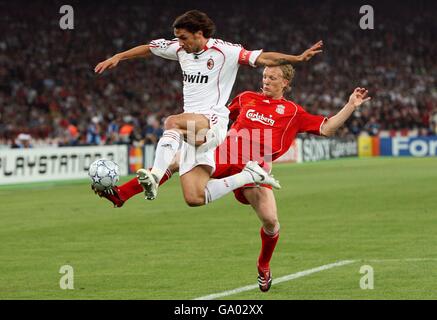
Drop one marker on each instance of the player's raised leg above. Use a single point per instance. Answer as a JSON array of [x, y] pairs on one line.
[[185, 126], [118, 195], [200, 190], [193, 126], [263, 202], [194, 183]]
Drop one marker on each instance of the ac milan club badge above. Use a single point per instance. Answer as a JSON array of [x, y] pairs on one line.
[[210, 63], [280, 109]]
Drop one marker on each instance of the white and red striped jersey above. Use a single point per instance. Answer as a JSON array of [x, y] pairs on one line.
[[208, 75]]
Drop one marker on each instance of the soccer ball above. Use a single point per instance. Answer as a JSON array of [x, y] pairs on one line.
[[104, 174]]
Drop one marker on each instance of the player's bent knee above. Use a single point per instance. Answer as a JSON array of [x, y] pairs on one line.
[[195, 200], [171, 122]]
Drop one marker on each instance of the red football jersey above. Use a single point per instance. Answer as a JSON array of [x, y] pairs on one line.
[[266, 126]]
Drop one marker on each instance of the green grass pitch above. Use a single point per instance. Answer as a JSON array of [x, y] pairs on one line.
[[380, 212]]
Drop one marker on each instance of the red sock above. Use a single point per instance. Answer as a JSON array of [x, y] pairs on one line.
[[267, 248], [132, 187], [129, 189], [165, 177]]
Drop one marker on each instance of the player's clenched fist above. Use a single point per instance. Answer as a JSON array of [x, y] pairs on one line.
[[358, 97], [107, 64]]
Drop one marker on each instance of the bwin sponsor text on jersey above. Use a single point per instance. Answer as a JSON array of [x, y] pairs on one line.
[[195, 78]]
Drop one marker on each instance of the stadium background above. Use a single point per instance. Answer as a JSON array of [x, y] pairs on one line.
[[382, 207]]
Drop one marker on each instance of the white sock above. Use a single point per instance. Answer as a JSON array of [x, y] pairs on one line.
[[167, 147], [216, 189]]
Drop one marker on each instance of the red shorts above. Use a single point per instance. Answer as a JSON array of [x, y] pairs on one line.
[[223, 170]]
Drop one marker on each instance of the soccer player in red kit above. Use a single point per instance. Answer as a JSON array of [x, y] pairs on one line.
[[265, 125]]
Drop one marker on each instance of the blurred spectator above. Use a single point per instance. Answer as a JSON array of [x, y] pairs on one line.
[[153, 130], [434, 122], [43, 81], [93, 132], [112, 130], [355, 127], [73, 133], [126, 130], [23, 141], [372, 127], [69, 133]]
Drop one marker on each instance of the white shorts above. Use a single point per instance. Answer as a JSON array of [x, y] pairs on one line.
[[191, 156]]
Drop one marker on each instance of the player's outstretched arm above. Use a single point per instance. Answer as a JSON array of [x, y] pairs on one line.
[[357, 98], [137, 52], [272, 59]]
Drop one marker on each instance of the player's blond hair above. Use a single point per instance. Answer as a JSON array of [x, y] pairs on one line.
[[288, 74]]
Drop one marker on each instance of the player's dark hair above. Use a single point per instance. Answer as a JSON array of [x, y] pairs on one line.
[[195, 20]]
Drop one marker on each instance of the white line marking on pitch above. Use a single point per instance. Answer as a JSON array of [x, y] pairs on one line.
[[308, 272], [278, 280]]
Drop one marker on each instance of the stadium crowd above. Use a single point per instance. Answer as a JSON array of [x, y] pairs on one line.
[[50, 94]]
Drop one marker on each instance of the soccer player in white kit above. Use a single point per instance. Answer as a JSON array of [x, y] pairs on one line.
[[209, 68]]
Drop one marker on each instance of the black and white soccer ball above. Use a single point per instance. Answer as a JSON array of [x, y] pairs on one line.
[[104, 174]]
